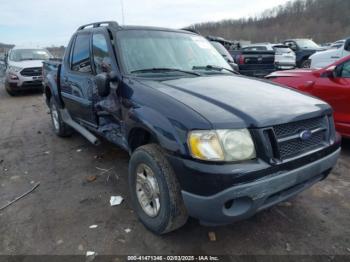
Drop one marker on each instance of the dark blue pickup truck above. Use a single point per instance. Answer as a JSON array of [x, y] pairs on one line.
[[303, 48], [204, 141]]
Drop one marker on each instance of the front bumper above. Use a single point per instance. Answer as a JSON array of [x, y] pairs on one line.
[[23, 82], [245, 198], [285, 65]]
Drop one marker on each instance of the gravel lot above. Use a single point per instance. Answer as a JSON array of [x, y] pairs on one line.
[[55, 218]]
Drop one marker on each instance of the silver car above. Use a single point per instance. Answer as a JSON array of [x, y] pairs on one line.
[[24, 69]]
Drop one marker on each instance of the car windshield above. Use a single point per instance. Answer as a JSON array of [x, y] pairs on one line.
[[337, 44], [18, 55], [307, 43], [144, 50], [255, 48]]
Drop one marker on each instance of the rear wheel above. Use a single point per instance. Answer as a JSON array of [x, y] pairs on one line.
[[155, 191], [59, 127]]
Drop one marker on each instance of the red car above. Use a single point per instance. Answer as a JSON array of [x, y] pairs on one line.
[[331, 84]]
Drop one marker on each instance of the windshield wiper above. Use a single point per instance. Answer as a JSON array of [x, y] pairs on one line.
[[160, 69], [215, 68]]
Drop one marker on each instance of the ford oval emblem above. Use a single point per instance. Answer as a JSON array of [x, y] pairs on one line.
[[305, 135]]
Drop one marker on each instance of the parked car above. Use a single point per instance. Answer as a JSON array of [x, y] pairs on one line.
[[23, 69], [325, 45], [337, 44], [326, 58], [257, 63], [303, 49], [284, 56], [223, 51], [204, 141], [332, 84]]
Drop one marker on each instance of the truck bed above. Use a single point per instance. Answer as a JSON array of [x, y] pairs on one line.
[[51, 70]]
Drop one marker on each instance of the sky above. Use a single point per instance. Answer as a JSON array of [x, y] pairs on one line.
[[52, 22]]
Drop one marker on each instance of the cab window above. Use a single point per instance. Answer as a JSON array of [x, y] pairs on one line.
[[101, 58], [81, 54], [292, 45]]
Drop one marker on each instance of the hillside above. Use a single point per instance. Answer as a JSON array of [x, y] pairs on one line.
[[322, 20]]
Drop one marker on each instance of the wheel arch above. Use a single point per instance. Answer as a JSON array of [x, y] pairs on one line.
[[156, 128], [139, 136]]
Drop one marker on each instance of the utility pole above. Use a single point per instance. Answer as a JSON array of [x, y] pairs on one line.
[[122, 8]]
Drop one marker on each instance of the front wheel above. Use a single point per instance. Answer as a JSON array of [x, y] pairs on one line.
[[155, 191], [9, 90], [306, 63]]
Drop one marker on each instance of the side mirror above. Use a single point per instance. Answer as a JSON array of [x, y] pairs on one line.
[[103, 81], [293, 47], [347, 45], [330, 72]]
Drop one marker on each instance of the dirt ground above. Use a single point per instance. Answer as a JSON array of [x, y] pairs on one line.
[[55, 218]]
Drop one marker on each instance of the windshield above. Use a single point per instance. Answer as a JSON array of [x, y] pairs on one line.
[[338, 44], [18, 55], [255, 48], [307, 43], [147, 49]]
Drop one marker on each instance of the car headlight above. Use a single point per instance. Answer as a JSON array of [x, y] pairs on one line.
[[222, 145], [14, 69]]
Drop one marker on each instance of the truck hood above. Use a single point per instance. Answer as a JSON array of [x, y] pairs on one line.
[[27, 63], [240, 102], [325, 58], [327, 53]]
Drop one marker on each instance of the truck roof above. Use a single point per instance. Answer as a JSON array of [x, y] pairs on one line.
[[115, 26], [128, 27]]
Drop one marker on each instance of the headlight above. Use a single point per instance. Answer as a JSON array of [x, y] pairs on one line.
[[222, 145], [14, 69]]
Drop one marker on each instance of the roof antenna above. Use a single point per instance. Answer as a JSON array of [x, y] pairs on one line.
[[122, 7]]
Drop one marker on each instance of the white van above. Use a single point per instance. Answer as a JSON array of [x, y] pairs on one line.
[[326, 58]]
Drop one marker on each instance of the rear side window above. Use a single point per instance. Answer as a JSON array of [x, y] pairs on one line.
[[81, 54], [282, 50], [102, 60]]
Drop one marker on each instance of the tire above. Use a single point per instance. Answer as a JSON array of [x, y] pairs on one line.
[[9, 90], [306, 63], [59, 127], [172, 213]]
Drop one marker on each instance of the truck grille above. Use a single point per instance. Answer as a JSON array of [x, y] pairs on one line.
[[291, 143], [34, 71]]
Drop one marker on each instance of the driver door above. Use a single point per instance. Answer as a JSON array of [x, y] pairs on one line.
[[78, 81]]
